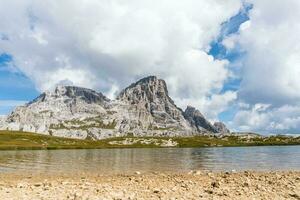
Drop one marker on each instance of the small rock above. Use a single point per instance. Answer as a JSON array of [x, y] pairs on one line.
[[21, 185], [37, 184], [137, 173], [215, 184], [209, 191], [294, 195], [258, 187], [247, 173], [246, 184], [210, 174], [198, 172], [156, 190], [191, 172]]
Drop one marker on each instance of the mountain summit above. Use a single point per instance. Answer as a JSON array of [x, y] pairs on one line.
[[72, 92], [142, 109], [150, 96]]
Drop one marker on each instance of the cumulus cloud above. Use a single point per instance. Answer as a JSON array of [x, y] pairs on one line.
[[211, 106], [270, 67], [105, 45], [272, 45], [266, 119]]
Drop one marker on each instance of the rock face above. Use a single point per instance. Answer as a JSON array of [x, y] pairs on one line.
[[60, 112], [150, 103], [197, 120], [221, 127], [2, 122], [142, 109]]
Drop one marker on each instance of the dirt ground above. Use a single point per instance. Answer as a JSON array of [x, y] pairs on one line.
[[192, 185]]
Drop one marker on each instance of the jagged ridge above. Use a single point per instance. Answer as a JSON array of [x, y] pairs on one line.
[[142, 109], [87, 95]]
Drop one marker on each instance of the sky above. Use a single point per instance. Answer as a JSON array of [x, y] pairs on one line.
[[237, 61]]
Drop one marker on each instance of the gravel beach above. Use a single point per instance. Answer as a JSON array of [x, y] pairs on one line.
[[192, 185]]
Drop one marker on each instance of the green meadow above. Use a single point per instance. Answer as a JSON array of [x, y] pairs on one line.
[[12, 140]]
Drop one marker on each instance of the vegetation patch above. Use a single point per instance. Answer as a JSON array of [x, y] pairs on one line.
[[145, 141], [84, 124], [10, 140], [151, 127]]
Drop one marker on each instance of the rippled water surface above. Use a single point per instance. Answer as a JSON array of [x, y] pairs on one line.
[[150, 160]]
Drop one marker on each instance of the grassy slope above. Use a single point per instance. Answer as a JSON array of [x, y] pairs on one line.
[[21, 140]]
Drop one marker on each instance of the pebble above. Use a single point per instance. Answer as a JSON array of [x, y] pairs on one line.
[[156, 190], [246, 184], [215, 184], [198, 172], [262, 185], [37, 184]]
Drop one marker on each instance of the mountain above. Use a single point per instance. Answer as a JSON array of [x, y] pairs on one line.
[[2, 120], [221, 127], [142, 109], [198, 121], [149, 101]]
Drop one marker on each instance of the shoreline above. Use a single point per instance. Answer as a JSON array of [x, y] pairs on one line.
[[10, 140], [129, 147], [136, 185]]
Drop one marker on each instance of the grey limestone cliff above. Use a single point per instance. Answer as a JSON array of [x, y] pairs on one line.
[[198, 121], [142, 109], [221, 127]]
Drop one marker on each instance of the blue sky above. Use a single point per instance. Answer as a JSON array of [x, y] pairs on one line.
[[252, 83], [217, 50], [16, 86]]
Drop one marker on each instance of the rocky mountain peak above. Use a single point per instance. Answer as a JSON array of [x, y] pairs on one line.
[[90, 96], [147, 89], [191, 111], [150, 95], [221, 127], [142, 109], [72, 92], [197, 120], [2, 118]]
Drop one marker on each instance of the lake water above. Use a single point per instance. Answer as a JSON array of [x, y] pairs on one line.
[[151, 160]]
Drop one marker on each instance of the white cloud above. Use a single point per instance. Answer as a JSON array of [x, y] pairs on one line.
[[210, 106], [229, 42], [263, 118], [11, 103], [270, 73], [217, 104], [272, 45], [7, 105], [106, 45]]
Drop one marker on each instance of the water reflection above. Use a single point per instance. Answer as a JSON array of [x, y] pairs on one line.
[[149, 160]]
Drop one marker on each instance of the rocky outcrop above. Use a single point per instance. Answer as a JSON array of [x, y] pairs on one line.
[[142, 109], [197, 120], [73, 93], [2, 122], [221, 127], [59, 112], [151, 103]]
